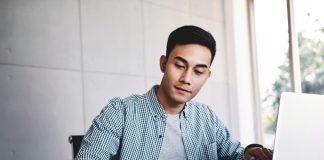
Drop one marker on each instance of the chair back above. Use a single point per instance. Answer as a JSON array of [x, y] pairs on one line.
[[75, 141]]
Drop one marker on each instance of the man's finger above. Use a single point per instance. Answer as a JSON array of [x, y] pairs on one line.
[[267, 152], [258, 153]]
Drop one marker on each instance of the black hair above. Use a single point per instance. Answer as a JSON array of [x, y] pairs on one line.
[[190, 34]]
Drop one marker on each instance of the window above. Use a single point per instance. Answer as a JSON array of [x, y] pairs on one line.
[[310, 33], [283, 66]]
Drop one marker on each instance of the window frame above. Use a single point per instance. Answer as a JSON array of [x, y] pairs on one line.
[[293, 57]]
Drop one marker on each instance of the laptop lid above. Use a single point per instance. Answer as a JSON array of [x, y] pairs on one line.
[[300, 127]]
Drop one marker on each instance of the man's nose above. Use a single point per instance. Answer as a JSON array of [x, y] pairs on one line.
[[186, 77]]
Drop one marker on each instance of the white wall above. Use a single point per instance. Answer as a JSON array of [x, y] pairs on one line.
[[62, 60]]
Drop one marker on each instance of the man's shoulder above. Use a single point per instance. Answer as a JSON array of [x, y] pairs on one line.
[[127, 101], [201, 109], [202, 112], [136, 99], [198, 106]]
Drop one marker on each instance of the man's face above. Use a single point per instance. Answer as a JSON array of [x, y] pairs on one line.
[[185, 72]]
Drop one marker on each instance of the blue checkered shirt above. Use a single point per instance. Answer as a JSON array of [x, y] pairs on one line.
[[133, 129]]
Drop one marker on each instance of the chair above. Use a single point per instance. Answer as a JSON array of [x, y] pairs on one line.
[[75, 141]]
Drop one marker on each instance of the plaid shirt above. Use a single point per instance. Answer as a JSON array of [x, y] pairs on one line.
[[133, 128]]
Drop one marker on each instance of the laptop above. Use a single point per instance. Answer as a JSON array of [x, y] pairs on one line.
[[300, 127]]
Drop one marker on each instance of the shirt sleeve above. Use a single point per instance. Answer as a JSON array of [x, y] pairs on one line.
[[228, 148], [102, 140]]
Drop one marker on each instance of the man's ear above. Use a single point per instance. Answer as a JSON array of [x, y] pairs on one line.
[[163, 62]]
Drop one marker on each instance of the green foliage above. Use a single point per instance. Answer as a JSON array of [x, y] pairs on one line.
[[311, 51]]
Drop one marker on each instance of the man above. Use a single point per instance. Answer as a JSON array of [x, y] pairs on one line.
[[164, 123]]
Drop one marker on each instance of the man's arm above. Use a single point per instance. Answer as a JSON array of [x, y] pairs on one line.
[[228, 148], [232, 149], [102, 140]]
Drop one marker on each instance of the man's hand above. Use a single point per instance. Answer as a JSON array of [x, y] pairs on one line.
[[258, 153]]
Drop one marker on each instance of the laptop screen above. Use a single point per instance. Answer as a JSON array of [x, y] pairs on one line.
[[300, 127]]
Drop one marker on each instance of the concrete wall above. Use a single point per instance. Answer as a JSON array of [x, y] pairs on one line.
[[62, 60]]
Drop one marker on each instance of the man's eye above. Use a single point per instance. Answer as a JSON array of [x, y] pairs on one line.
[[179, 66], [199, 72]]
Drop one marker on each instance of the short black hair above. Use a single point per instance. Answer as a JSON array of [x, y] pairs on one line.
[[190, 34]]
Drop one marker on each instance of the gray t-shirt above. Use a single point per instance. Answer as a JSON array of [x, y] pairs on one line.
[[172, 146]]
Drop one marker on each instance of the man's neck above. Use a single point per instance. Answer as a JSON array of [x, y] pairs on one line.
[[169, 107]]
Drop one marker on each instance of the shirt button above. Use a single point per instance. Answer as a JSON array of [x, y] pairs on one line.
[[155, 118], [160, 136]]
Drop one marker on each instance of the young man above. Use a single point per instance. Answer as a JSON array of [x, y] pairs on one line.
[[164, 123]]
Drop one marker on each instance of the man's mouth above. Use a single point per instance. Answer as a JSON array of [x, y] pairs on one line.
[[182, 89]]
